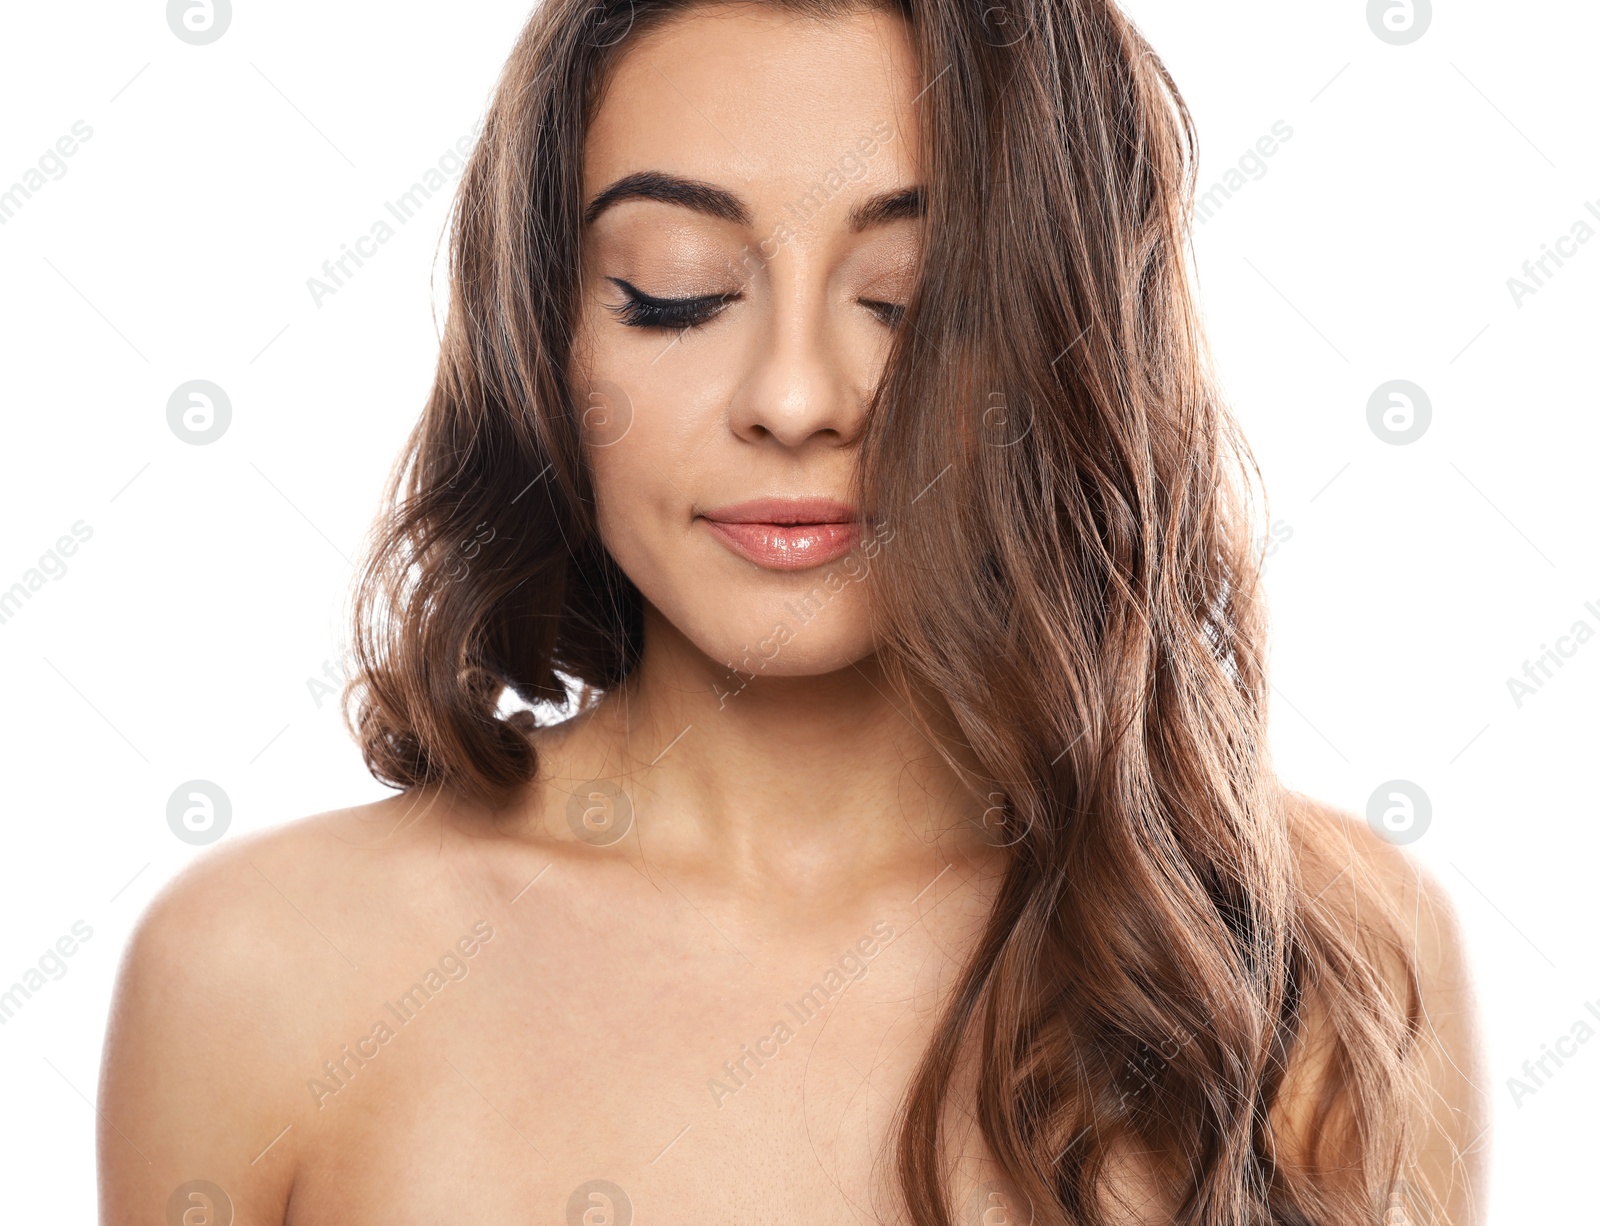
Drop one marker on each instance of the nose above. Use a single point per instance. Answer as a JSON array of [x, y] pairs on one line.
[[800, 388]]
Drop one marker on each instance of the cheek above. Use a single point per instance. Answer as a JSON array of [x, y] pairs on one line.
[[650, 437], [638, 506], [654, 409]]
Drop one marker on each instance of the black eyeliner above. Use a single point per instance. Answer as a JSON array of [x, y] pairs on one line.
[[644, 310]]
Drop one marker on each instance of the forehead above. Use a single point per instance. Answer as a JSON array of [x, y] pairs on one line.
[[761, 100]]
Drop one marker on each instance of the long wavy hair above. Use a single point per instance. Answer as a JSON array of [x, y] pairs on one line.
[[1073, 569]]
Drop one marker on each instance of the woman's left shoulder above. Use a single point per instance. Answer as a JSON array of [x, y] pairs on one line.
[[1399, 913], [1343, 860]]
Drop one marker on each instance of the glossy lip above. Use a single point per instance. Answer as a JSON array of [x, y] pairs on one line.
[[786, 533]]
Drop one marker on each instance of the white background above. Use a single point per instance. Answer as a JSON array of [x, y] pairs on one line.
[[1409, 582]]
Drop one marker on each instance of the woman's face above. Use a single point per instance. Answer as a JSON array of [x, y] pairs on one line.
[[751, 234]]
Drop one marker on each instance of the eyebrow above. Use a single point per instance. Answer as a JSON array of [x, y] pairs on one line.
[[718, 202]]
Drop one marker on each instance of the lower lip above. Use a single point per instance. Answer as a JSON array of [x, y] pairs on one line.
[[787, 546]]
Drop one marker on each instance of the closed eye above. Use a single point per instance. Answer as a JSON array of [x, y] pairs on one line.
[[888, 313], [642, 310]]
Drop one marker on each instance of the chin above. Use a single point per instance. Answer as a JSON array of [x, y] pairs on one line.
[[786, 633]]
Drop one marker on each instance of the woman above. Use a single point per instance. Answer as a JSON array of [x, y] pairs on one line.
[[822, 452]]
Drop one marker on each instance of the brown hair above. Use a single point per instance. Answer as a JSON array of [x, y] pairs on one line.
[[1147, 971]]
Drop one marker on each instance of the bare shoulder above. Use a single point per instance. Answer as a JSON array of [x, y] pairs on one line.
[[1334, 847], [1400, 916], [225, 985]]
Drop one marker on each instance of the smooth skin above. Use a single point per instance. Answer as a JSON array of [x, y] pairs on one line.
[[582, 998]]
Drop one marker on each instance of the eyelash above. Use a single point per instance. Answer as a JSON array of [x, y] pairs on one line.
[[889, 313], [667, 314], [643, 310]]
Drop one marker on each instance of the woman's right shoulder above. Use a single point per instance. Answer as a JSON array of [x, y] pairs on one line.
[[247, 902], [227, 988]]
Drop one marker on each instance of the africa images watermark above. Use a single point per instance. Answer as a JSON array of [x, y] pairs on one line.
[[51, 163], [337, 272], [849, 167], [450, 968], [1542, 668], [599, 1202], [1278, 533], [847, 969], [335, 673], [51, 565], [1142, 1072], [1536, 1073], [1536, 273], [1252, 163], [51, 965]]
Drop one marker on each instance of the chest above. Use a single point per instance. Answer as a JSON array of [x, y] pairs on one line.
[[596, 1068]]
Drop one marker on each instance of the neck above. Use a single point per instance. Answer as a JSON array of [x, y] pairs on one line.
[[806, 782]]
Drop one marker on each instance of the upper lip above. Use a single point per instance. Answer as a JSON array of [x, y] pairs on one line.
[[784, 511]]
